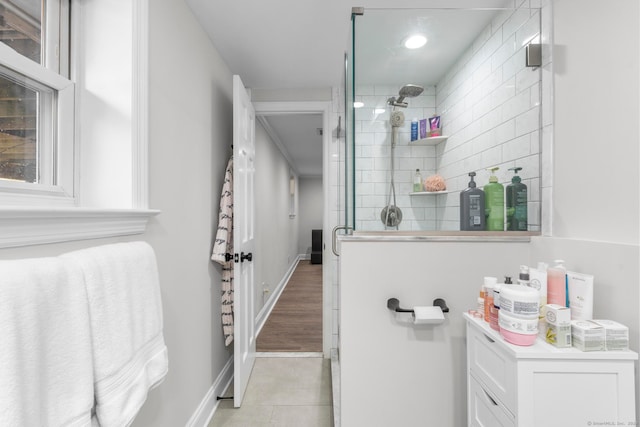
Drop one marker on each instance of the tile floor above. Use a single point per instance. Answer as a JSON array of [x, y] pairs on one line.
[[282, 391]]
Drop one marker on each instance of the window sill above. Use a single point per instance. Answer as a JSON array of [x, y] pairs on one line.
[[36, 226]]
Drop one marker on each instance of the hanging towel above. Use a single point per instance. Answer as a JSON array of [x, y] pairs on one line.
[[224, 245], [46, 372], [129, 353]]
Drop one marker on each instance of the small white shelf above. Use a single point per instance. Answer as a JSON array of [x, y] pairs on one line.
[[430, 193], [434, 140]]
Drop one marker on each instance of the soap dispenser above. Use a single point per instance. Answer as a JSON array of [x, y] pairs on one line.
[[494, 201], [472, 208], [516, 203]]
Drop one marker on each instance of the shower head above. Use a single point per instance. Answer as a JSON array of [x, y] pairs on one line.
[[407, 91]]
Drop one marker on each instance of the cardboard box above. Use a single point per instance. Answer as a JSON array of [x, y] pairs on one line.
[[587, 335], [558, 325], [616, 335]]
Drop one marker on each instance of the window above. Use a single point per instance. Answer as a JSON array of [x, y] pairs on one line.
[[36, 103], [74, 165]]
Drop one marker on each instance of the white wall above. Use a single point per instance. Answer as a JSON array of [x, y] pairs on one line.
[[310, 211], [190, 143], [604, 204], [276, 233]]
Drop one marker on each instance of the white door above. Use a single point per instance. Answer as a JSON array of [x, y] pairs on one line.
[[244, 353]]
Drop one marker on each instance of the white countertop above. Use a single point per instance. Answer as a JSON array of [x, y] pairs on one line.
[[542, 350]]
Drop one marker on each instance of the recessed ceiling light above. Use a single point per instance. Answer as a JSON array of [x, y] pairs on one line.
[[415, 41], [358, 104]]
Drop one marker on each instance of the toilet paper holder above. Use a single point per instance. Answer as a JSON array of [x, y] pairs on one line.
[[394, 305]]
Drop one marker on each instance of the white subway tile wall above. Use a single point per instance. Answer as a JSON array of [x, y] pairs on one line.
[[489, 103]]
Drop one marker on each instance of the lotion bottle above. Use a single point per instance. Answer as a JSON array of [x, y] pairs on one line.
[[557, 284], [494, 201], [472, 207], [516, 203]]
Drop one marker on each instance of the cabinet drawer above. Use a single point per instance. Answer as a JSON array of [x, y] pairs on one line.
[[490, 363], [485, 410]]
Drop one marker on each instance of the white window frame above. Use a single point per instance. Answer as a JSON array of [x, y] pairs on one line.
[[61, 193], [81, 206]]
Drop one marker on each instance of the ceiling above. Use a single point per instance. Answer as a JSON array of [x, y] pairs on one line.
[[298, 137], [300, 44]]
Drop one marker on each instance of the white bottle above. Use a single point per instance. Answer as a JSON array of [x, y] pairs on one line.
[[417, 182]]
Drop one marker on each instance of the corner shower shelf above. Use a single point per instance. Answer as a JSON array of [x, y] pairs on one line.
[[430, 193], [434, 140]]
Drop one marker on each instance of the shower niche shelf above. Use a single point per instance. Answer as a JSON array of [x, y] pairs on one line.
[[430, 193], [434, 140]]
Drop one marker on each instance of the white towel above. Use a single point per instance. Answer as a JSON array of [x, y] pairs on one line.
[[45, 345], [129, 353]]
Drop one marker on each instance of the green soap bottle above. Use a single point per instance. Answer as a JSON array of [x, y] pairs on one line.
[[494, 202], [516, 203]]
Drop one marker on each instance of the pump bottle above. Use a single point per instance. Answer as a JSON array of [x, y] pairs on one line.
[[472, 209], [494, 201], [516, 203]]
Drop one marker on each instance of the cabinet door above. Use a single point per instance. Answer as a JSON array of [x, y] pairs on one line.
[[484, 408], [490, 363], [576, 392]]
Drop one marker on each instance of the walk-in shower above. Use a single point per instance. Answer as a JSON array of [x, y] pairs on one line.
[[391, 214], [473, 76]]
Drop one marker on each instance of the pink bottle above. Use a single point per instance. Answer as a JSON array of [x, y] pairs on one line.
[[557, 284]]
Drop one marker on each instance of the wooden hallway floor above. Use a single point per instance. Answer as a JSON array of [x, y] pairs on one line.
[[295, 323]]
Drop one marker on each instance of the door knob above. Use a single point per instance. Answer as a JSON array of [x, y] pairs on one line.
[[248, 257]]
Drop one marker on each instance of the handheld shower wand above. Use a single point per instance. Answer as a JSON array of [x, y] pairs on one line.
[[391, 214]]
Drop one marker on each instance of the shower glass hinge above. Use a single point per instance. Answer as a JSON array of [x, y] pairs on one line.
[[357, 11], [534, 55]]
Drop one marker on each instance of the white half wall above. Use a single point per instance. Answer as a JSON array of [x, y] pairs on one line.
[[393, 373]]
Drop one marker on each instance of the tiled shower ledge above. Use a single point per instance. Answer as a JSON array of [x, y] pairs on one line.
[[441, 236]]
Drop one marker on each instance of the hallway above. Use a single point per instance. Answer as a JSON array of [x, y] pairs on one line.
[[295, 323], [282, 391]]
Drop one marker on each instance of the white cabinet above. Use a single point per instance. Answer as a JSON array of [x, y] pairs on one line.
[[541, 385]]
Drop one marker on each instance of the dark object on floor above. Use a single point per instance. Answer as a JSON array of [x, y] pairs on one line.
[[316, 246]]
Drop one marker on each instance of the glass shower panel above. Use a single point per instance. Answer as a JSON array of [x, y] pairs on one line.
[[472, 74]]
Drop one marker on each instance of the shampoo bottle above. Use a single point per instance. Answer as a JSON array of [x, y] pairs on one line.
[[472, 209], [414, 129], [557, 284], [494, 200], [516, 203]]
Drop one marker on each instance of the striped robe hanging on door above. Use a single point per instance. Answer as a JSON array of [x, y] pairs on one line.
[[224, 245]]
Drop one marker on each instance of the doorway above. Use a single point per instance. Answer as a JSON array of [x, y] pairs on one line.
[[273, 112]]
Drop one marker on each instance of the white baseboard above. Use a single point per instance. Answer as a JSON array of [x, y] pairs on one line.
[[264, 313], [203, 415]]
